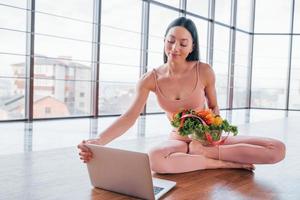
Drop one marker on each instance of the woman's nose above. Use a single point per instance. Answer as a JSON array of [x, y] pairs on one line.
[[175, 46]]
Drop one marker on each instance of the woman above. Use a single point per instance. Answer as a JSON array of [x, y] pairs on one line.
[[184, 82]]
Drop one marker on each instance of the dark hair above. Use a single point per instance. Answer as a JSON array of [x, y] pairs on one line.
[[191, 27]]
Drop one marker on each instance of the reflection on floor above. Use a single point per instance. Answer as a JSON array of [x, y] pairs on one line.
[[19, 137]]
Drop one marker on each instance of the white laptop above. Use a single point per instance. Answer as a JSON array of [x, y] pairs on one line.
[[125, 172]]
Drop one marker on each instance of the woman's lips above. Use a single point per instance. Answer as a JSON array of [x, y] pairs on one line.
[[174, 55]]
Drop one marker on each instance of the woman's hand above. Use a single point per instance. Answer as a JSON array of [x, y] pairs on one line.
[[85, 153]]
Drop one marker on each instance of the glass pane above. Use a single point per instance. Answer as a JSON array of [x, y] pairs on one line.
[[17, 18], [12, 99], [220, 63], [62, 48], [244, 14], [119, 73], [269, 74], [119, 54], [115, 97], [277, 17], [241, 68], [152, 104], [50, 45], [12, 42], [116, 37], [117, 88], [153, 130], [57, 26], [295, 75], [56, 98], [157, 32], [12, 59], [297, 17], [17, 3], [223, 11], [174, 3], [80, 9], [202, 34], [12, 65], [198, 7], [121, 14]]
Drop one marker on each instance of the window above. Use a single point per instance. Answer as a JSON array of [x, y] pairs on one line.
[[241, 71], [63, 54], [198, 7], [294, 97], [272, 16], [12, 60], [223, 11], [297, 17], [220, 63], [269, 73], [63, 44], [120, 54], [244, 9]]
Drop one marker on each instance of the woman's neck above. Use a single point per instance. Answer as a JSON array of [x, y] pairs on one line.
[[178, 69]]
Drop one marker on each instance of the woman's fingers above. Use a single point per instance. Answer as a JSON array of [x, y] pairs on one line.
[[85, 156], [82, 146], [85, 153]]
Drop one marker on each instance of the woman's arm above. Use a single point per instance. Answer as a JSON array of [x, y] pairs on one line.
[[210, 89], [126, 120]]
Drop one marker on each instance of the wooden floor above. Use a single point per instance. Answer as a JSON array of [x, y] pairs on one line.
[[59, 174]]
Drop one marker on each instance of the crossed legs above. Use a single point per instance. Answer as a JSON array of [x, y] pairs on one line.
[[172, 157], [176, 156], [244, 149]]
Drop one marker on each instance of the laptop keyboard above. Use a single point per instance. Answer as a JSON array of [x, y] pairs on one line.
[[156, 189]]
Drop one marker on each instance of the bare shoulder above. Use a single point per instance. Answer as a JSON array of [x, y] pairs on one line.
[[147, 81], [205, 68], [206, 72]]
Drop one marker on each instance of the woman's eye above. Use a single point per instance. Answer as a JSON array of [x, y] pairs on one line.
[[170, 41], [183, 45]]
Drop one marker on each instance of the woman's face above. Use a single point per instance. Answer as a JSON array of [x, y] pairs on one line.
[[178, 44]]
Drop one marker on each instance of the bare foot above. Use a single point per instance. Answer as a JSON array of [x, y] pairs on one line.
[[196, 148], [246, 166], [249, 167]]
